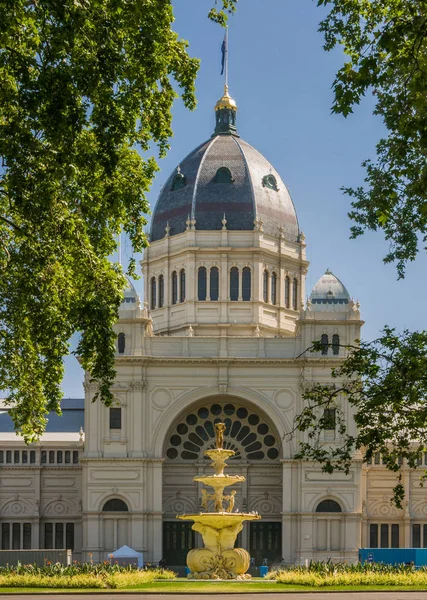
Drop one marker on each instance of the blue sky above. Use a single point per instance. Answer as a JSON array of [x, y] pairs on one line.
[[281, 78]]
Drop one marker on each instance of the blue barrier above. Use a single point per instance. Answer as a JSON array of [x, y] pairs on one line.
[[394, 556], [263, 571]]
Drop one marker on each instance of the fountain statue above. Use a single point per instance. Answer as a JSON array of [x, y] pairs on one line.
[[219, 559]]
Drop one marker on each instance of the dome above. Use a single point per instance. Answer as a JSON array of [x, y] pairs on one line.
[[329, 293], [130, 297], [224, 176]]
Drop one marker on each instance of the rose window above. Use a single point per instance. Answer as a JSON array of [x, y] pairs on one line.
[[246, 433]]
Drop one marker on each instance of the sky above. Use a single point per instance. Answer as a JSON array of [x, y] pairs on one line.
[[281, 78]]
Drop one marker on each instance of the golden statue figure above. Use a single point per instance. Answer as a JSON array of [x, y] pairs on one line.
[[218, 498], [205, 498], [219, 432], [231, 499]]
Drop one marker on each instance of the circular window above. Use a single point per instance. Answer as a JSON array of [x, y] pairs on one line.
[[245, 433]]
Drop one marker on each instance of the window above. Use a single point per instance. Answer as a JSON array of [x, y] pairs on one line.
[[269, 181], [265, 286], [116, 505], [75, 457], [16, 456], [59, 457], [51, 457], [234, 284], [174, 287], [223, 175], [48, 535], [44, 457], [287, 292], [69, 536], [214, 284], [416, 536], [295, 295], [24, 457], [115, 418], [386, 535], [328, 506], [161, 291], [377, 458], [201, 283], [182, 285], [59, 535], [16, 536], [8, 456], [373, 536], [246, 284], [153, 293], [1, 456], [335, 344], [67, 457], [32, 457], [273, 288], [329, 418], [121, 343], [178, 182], [324, 343], [5, 536]]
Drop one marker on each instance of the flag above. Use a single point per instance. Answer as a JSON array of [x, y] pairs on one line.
[[223, 52]]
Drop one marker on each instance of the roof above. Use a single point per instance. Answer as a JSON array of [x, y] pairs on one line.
[[329, 294], [255, 193], [70, 422], [125, 552]]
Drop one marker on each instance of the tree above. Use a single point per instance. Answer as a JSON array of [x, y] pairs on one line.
[[84, 86], [382, 385], [386, 45]]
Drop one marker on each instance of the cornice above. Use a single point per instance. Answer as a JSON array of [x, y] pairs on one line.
[[146, 360], [114, 461]]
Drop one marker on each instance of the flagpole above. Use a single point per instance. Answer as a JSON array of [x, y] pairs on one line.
[[226, 56]]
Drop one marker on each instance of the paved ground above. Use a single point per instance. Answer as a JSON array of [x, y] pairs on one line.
[[269, 596]]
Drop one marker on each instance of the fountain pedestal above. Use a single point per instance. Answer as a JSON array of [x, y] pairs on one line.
[[219, 559]]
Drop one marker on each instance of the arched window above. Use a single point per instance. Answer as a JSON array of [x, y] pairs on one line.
[[273, 288], [174, 287], [287, 292], [182, 285], [234, 283], [201, 283], [161, 290], [214, 284], [178, 182], [153, 293], [324, 342], [121, 343], [328, 506], [223, 175], [265, 286], [115, 505], [295, 294], [335, 344], [246, 284]]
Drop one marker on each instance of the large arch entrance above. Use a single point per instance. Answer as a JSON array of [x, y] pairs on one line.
[[257, 445]]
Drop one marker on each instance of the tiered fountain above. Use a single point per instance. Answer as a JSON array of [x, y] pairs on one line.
[[219, 559]]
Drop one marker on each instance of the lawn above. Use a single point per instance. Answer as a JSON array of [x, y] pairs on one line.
[[221, 587]]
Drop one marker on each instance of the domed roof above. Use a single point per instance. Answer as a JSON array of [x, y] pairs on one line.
[[130, 297], [224, 176], [329, 293]]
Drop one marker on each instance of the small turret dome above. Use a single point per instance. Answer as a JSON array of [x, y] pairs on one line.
[[329, 294], [130, 297]]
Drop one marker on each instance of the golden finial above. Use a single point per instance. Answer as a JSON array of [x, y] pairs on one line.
[[226, 101]]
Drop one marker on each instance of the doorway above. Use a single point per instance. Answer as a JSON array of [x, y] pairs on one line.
[[265, 542], [178, 540]]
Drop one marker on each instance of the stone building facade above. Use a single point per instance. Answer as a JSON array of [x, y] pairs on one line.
[[221, 335]]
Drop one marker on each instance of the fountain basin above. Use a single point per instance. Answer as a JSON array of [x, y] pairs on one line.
[[220, 520], [220, 481]]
